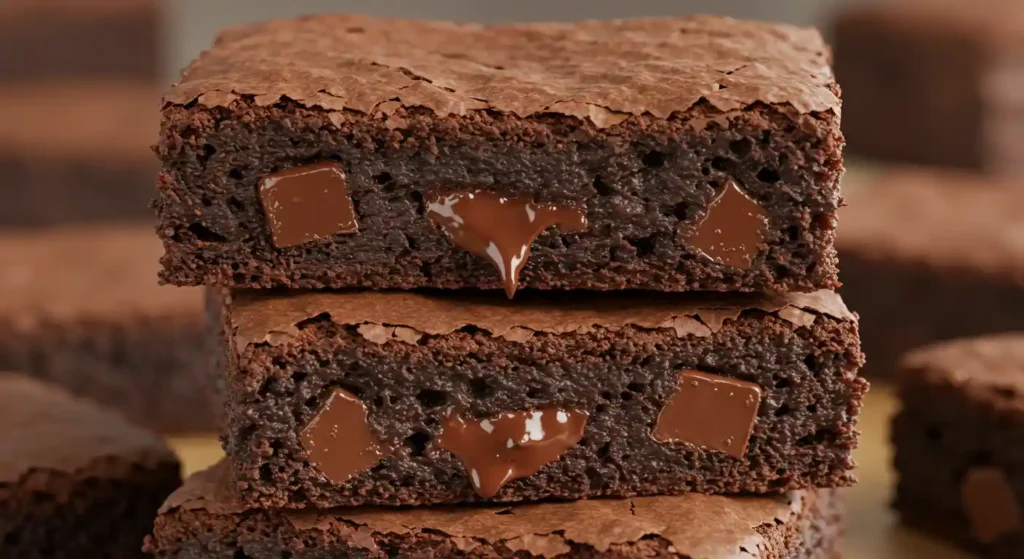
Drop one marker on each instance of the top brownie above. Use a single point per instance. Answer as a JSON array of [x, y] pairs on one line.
[[339, 151]]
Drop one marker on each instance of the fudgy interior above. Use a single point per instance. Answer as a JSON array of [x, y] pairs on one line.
[[644, 183], [941, 433], [155, 371], [894, 300], [259, 534], [62, 516], [803, 436]]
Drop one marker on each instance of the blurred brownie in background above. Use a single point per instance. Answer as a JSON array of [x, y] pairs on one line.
[[930, 255], [48, 39], [958, 442], [934, 82], [77, 151], [81, 307]]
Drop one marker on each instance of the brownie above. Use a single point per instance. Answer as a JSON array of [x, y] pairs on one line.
[[76, 152], [933, 82], [667, 154], [75, 480], [54, 39], [959, 442], [81, 307], [205, 519], [930, 255], [403, 398]]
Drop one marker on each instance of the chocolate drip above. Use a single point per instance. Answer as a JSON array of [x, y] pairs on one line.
[[733, 229], [712, 411], [339, 441], [307, 203], [511, 446], [500, 229]]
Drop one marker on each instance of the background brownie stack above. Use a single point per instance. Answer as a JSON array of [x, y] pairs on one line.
[[656, 199]]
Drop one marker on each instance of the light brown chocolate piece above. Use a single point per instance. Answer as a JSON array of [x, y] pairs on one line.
[[511, 446], [307, 203], [500, 229], [733, 228], [990, 504], [258, 317], [711, 411], [339, 441]]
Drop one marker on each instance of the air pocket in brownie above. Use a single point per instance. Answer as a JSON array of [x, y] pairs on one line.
[[452, 397], [958, 442], [205, 519], [701, 153]]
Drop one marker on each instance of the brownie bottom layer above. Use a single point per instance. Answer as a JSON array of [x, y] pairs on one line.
[[154, 371], [94, 518], [896, 303]]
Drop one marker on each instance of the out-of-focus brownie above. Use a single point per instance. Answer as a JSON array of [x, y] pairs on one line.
[[960, 442], [57, 39], [933, 81], [930, 255], [75, 480], [204, 519], [81, 307], [76, 152], [674, 154], [342, 399]]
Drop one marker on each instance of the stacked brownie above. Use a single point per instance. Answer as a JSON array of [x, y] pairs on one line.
[[466, 269]]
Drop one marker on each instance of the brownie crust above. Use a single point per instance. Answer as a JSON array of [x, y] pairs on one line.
[[644, 164], [618, 363], [203, 520], [962, 413], [76, 480]]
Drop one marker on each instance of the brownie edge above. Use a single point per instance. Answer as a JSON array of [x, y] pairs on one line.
[[203, 520]]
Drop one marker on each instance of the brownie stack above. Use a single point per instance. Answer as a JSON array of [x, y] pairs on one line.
[[459, 271]]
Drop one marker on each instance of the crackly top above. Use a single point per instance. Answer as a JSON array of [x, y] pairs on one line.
[[259, 317], [89, 120], [105, 271], [992, 365], [44, 429], [942, 218], [700, 526], [601, 70]]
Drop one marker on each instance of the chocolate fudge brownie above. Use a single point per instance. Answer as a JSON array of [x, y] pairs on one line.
[[930, 255], [54, 39], [464, 396], [75, 480], [960, 442], [674, 154], [76, 152], [81, 307], [933, 81], [205, 519]]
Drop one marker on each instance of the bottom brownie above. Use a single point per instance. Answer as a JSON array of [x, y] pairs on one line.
[[960, 443], [75, 480], [204, 519]]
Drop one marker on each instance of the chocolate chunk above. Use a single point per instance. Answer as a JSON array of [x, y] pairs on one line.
[[500, 229], [733, 228], [511, 446], [339, 440], [990, 504], [307, 203], [712, 411]]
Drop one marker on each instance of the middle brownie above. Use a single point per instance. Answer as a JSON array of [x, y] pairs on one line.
[[399, 398]]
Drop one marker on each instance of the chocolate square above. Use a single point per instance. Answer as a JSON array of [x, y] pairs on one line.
[[307, 203], [712, 411]]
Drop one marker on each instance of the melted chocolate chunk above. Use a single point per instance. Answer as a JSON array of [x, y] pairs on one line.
[[511, 446], [990, 504], [711, 411], [500, 229], [733, 228], [339, 441], [307, 203]]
